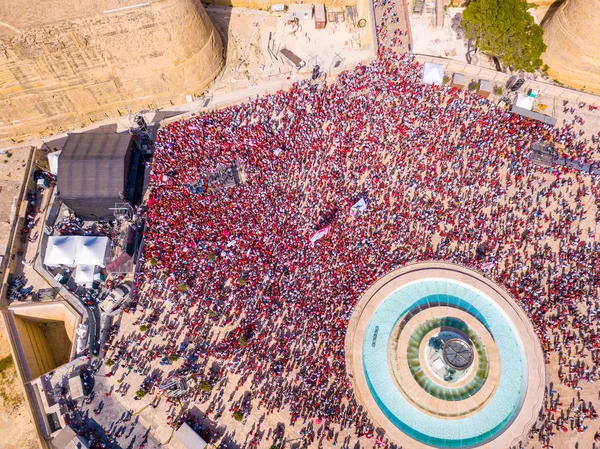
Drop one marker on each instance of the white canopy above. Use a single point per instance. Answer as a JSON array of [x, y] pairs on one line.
[[524, 101], [91, 250], [189, 438], [72, 250], [61, 250], [433, 73], [85, 275], [53, 161]]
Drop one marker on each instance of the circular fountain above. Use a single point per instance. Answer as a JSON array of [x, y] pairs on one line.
[[437, 354]]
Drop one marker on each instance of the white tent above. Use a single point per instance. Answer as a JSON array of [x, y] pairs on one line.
[[91, 251], [72, 250], [53, 162], [433, 73], [61, 250], [189, 438], [85, 275], [524, 101]]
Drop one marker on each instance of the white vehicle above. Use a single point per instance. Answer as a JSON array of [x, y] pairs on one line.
[[116, 299]]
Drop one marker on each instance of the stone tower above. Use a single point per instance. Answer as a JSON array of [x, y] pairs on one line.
[[66, 63], [573, 39]]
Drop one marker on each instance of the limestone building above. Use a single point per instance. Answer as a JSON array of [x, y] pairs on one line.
[[573, 41], [65, 63]]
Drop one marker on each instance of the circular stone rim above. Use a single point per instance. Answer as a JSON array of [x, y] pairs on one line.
[[463, 344], [401, 370], [535, 367]]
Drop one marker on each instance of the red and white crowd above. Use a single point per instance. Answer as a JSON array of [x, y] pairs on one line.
[[231, 277]]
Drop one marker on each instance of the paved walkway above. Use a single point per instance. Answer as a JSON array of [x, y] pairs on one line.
[[543, 88], [392, 17], [113, 418]]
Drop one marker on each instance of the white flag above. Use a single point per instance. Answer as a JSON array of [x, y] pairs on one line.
[[358, 208], [319, 235]]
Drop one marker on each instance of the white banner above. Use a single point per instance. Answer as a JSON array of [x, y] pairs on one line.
[[319, 235], [358, 208]]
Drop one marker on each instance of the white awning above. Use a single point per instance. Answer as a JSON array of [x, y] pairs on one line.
[[72, 250], [524, 101], [486, 86], [189, 438], [433, 73], [61, 250], [438, 364], [85, 275], [91, 251], [53, 161]]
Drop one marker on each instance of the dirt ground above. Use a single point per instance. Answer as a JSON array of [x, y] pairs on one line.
[[13, 164], [16, 425], [252, 38]]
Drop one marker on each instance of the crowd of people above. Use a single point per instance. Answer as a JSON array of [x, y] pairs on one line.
[[232, 286]]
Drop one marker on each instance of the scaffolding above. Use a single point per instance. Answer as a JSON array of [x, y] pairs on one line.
[[543, 154], [122, 211], [227, 176], [174, 387]]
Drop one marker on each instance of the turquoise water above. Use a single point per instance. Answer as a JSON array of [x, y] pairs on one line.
[[473, 430]]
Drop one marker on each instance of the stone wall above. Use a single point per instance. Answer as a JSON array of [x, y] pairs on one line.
[[82, 61], [43, 335], [266, 4], [573, 39], [35, 347], [474, 72]]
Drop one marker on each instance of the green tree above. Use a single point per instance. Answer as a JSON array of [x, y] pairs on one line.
[[140, 394], [243, 341], [504, 29], [205, 386]]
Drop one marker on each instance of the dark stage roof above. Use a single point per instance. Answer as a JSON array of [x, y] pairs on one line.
[[92, 172]]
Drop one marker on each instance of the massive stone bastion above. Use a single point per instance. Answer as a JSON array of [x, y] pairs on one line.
[[572, 35], [66, 63]]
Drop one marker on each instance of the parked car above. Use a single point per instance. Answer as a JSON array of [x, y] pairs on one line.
[[116, 299]]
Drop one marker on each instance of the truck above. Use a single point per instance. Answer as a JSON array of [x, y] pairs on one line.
[[292, 58]]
